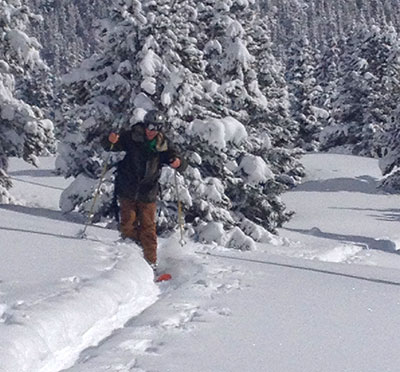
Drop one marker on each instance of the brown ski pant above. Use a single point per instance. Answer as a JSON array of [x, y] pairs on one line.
[[138, 222]]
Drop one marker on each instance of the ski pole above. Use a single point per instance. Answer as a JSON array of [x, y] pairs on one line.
[[182, 241], [96, 194]]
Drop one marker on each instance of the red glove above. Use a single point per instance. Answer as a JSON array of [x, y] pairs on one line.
[[113, 138], [175, 163]]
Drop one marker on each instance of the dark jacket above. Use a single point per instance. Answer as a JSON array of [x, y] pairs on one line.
[[139, 172]]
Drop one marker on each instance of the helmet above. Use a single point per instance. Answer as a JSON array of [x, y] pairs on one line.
[[154, 120]]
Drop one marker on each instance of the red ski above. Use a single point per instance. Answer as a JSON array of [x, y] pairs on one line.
[[163, 278]]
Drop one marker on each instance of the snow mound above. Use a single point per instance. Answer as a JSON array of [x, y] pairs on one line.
[[218, 133], [342, 253], [60, 294], [49, 335]]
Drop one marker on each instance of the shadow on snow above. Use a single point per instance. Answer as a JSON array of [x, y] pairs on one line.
[[298, 267], [53, 215], [362, 184], [37, 184], [46, 213], [390, 214], [34, 173], [383, 245], [44, 233]]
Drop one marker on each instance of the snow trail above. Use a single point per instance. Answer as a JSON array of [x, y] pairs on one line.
[[184, 302]]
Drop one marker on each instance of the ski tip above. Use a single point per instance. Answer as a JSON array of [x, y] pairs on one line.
[[163, 278]]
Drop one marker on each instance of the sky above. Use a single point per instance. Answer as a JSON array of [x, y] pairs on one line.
[[324, 295]]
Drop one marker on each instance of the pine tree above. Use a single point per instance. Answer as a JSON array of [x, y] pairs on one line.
[[67, 31], [24, 132], [233, 37], [383, 58], [348, 102], [303, 93], [326, 76], [366, 87], [387, 141], [271, 81], [162, 57], [390, 161]]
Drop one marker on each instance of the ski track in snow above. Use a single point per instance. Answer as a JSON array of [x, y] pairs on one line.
[[185, 302]]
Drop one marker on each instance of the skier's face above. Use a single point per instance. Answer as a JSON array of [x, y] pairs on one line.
[[150, 134]]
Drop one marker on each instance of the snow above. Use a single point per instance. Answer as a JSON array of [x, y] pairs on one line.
[[218, 132], [319, 112], [150, 63], [81, 183], [234, 30], [255, 170], [237, 53], [323, 296], [83, 73], [25, 47]]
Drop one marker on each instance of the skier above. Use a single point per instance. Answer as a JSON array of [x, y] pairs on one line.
[[136, 185]]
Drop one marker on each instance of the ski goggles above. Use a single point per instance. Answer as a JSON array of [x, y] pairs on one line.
[[153, 126]]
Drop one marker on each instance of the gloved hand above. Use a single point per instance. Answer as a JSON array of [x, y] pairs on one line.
[[113, 138], [175, 163]]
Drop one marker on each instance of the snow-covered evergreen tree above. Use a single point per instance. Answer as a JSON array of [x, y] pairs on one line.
[[303, 93], [326, 75], [364, 100], [232, 69], [349, 99], [276, 118], [384, 67], [24, 131], [387, 144], [67, 31], [155, 56], [390, 148]]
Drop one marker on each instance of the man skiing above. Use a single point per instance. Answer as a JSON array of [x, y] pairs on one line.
[[136, 185]]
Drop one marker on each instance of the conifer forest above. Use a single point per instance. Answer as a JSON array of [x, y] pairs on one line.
[[248, 86]]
